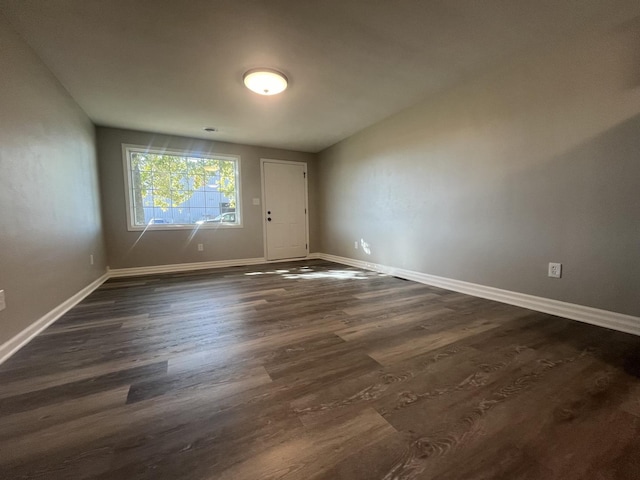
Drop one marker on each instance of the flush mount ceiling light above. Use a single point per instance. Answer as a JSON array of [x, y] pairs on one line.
[[265, 81]]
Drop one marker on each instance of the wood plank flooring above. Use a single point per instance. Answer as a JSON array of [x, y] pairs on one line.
[[313, 370]]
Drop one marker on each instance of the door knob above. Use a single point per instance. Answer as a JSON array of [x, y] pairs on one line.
[[269, 219], [269, 212]]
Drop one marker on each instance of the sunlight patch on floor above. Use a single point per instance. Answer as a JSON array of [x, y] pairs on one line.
[[308, 273]]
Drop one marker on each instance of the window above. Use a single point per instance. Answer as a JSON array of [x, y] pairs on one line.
[[169, 189]]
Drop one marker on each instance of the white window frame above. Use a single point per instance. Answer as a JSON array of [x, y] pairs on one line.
[[127, 149]]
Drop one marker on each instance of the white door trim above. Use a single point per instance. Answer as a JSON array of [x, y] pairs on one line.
[[264, 209]]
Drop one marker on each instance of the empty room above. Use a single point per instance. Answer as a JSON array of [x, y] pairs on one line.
[[356, 240]]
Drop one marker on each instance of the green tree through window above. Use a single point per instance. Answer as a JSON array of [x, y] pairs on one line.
[[164, 181]]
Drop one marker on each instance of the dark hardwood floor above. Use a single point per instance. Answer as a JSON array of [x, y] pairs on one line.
[[314, 370]]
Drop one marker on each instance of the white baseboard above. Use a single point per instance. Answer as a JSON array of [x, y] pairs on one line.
[[182, 267], [14, 344], [188, 267], [594, 316]]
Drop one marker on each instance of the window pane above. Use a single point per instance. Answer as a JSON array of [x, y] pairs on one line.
[[212, 199], [196, 182], [198, 214], [157, 217], [139, 216], [180, 189], [181, 198]]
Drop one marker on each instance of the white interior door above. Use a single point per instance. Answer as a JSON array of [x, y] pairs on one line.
[[285, 209]]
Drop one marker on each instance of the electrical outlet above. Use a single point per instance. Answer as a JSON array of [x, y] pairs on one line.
[[3, 305], [200, 247], [555, 270], [355, 244], [91, 259]]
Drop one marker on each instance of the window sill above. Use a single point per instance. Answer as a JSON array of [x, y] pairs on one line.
[[169, 227]]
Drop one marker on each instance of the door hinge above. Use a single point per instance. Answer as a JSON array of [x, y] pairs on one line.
[[305, 211], [306, 246], [304, 174]]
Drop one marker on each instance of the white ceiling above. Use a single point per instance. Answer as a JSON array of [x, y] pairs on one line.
[[175, 66]]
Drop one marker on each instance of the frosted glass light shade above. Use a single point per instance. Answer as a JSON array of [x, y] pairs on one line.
[[265, 81]]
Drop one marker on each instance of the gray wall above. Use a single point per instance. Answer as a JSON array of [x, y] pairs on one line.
[[134, 249], [49, 202], [534, 162]]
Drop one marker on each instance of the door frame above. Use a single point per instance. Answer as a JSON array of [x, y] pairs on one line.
[[264, 203]]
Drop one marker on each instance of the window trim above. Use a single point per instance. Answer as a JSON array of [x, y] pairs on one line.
[[127, 148]]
